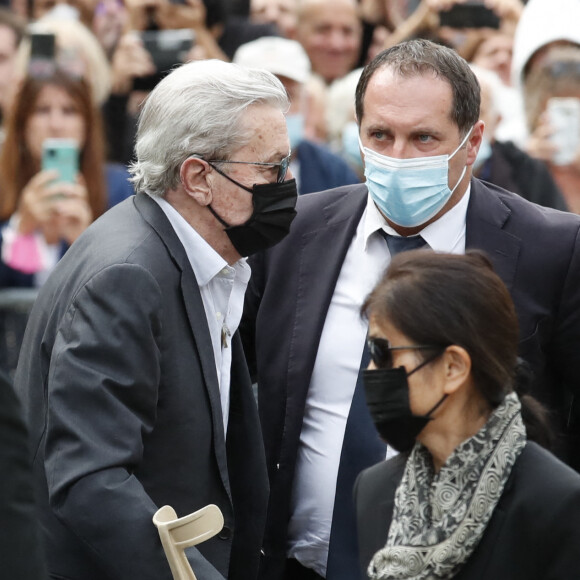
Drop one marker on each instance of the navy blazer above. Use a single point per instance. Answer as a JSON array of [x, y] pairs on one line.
[[321, 169], [533, 533], [119, 382], [535, 250]]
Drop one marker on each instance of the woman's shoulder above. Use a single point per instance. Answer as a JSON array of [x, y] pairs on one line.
[[540, 487], [544, 474], [537, 460], [533, 532]]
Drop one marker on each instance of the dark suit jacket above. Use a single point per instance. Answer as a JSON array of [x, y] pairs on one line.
[[118, 378], [535, 250], [533, 533]]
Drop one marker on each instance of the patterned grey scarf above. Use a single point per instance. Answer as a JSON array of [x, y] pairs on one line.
[[439, 518]]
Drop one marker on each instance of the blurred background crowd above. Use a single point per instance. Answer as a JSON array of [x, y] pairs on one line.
[[78, 70]]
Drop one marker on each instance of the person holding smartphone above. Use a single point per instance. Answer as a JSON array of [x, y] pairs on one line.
[[44, 212], [552, 101]]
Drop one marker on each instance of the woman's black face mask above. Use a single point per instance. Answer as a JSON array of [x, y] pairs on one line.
[[387, 393]]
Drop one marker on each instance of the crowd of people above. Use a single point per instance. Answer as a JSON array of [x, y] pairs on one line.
[[317, 263], [527, 60]]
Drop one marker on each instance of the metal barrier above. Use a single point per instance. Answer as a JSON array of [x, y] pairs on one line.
[[15, 306]]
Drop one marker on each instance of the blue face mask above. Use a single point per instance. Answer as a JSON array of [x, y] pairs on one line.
[[409, 192], [295, 125], [483, 154], [350, 144]]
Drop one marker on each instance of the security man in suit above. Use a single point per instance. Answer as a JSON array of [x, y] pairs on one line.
[[131, 371], [417, 106]]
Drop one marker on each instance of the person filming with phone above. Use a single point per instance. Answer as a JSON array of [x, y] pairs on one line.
[[53, 177], [552, 100]]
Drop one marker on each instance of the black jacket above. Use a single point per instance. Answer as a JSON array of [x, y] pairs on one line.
[[533, 533], [118, 379]]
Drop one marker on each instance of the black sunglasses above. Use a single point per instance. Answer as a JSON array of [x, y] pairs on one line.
[[381, 351], [282, 166]]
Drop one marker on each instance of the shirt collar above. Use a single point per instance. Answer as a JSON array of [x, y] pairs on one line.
[[441, 235], [204, 260]]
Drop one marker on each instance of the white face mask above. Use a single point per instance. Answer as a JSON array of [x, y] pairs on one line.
[[409, 192]]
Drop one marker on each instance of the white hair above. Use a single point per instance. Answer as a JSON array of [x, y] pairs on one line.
[[197, 110]]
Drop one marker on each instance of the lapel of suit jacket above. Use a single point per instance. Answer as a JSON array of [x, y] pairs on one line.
[[157, 219], [486, 218], [321, 253]]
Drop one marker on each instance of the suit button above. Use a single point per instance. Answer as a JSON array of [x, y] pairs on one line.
[[225, 534]]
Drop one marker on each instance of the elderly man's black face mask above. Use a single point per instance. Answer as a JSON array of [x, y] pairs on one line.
[[274, 210]]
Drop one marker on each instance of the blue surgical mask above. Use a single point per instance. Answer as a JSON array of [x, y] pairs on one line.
[[483, 154], [409, 192], [295, 125], [350, 144]]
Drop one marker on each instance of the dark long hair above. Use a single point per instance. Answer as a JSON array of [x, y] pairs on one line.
[[458, 299], [17, 166]]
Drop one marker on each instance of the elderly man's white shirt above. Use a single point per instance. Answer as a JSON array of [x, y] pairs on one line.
[[222, 289]]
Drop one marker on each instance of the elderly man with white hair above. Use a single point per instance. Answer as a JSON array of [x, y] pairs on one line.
[[132, 372]]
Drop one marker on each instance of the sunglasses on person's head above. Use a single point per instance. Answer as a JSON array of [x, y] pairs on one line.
[[282, 166], [381, 351]]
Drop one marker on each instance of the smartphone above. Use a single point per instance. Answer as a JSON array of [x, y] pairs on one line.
[[469, 15], [63, 156], [167, 49], [564, 118], [42, 62]]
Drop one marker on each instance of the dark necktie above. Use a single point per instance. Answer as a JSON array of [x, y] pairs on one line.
[[361, 448], [398, 244]]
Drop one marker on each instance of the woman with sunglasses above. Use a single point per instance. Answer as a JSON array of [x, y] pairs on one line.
[[470, 495]]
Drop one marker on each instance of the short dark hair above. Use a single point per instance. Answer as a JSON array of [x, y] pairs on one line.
[[418, 57]]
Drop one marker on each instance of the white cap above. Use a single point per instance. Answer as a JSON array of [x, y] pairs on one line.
[[280, 56], [541, 23]]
